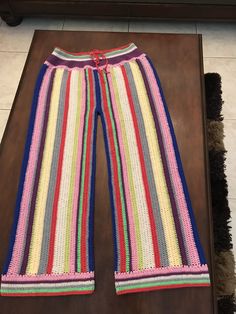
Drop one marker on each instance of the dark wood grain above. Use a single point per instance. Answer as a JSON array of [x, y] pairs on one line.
[[178, 60]]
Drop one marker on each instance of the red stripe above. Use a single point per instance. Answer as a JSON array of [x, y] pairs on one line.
[[144, 174], [115, 178], [163, 287], [84, 223], [45, 294], [58, 180]]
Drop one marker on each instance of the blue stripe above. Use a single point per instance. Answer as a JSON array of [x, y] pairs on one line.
[[24, 164], [180, 169], [92, 195], [100, 111]]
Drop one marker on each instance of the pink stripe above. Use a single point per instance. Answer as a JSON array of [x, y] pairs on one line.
[[134, 249], [182, 206], [77, 171], [48, 277], [29, 177], [162, 270]]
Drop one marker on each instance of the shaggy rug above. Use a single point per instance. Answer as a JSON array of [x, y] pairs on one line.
[[224, 258]]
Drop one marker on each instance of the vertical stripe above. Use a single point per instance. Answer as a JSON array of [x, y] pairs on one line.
[[112, 141], [181, 175], [143, 171], [52, 181], [128, 186], [74, 239], [37, 176], [50, 266], [145, 235], [40, 202], [131, 182], [108, 156], [82, 254], [121, 180], [76, 85], [21, 233], [174, 170], [60, 236], [88, 174], [166, 175], [148, 167], [157, 161]]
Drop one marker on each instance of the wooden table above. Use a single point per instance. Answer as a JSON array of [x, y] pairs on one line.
[[178, 59]]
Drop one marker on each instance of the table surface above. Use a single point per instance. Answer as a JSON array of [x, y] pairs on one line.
[[178, 60]]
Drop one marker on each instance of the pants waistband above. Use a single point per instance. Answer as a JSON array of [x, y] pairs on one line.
[[96, 58]]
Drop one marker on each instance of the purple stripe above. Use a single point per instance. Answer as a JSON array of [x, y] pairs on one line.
[[165, 166], [54, 60], [37, 175], [161, 275]]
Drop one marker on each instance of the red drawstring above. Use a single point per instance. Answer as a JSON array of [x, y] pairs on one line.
[[96, 58]]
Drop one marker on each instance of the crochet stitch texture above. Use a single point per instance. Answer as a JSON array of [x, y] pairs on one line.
[[156, 242]]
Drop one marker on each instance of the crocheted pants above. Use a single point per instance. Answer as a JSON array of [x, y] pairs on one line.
[[156, 242]]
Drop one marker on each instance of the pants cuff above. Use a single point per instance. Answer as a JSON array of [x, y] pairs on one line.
[[162, 278], [47, 285]]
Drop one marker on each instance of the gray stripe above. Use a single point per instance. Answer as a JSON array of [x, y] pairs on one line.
[[53, 176], [185, 239], [185, 279], [148, 166]]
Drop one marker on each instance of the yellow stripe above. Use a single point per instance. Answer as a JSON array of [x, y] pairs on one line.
[[77, 100], [37, 233], [130, 179], [157, 168], [135, 170]]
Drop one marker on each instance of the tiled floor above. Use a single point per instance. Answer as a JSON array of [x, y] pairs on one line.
[[219, 47]]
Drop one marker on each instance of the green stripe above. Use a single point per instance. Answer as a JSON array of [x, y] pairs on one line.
[[132, 190], [163, 283], [83, 172], [35, 290], [127, 253], [72, 177], [85, 56]]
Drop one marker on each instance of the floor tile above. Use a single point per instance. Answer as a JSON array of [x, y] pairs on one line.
[[19, 38], [230, 145], [11, 67], [161, 27], [219, 39], [95, 25], [226, 67], [4, 114]]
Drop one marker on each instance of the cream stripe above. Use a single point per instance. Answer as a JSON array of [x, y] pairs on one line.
[[162, 278], [37, 233], [125, 115], [59, 252], [157, 168]]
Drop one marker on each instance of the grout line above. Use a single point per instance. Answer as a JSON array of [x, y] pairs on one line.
[[5, 109], [220, 57], [13, 51], [231, 119]]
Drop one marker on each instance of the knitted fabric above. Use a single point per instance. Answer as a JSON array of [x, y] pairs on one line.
[[156, 242]]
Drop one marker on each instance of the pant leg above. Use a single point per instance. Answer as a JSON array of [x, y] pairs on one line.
[[51, 252], [156, 239]]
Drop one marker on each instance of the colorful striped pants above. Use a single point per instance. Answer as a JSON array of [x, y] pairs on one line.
[[156, 241]]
